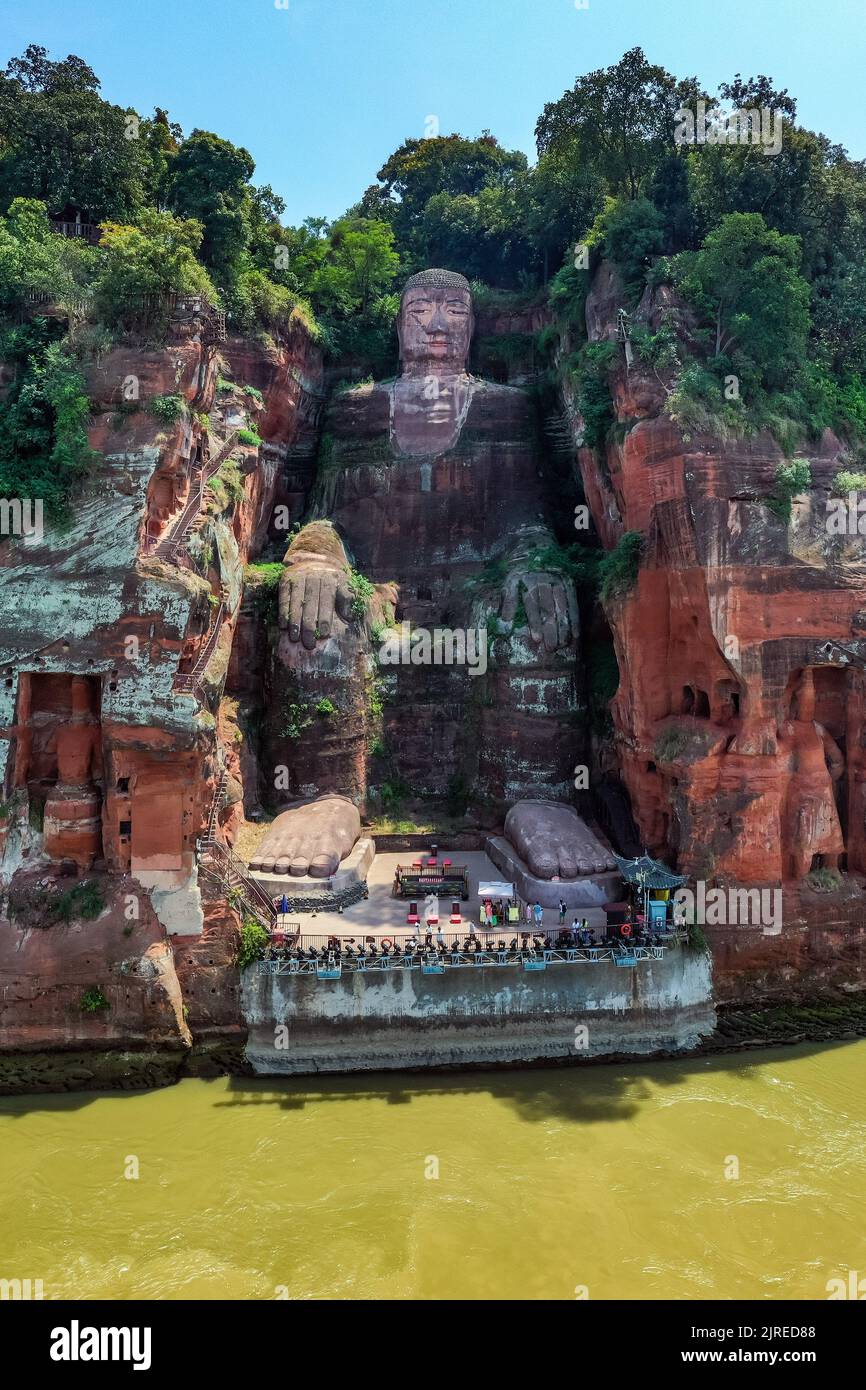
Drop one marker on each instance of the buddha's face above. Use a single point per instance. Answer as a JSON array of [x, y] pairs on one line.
[[435, 328]]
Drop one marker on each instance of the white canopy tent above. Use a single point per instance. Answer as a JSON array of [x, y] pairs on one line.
[[496, 890]]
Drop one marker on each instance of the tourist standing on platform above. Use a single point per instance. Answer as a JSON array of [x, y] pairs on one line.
[[538, 912], [527, 916], [563, 908]]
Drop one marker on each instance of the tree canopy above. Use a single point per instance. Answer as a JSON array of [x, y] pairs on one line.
[[768, 250]]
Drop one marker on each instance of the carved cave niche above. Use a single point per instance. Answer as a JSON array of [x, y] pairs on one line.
[[728, 701], [832, 686], [831, 700], [57, 756], [47, 703], [695, 701], [831, 709]]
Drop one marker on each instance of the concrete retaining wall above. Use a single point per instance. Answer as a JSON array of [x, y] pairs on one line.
[[482, 1015]]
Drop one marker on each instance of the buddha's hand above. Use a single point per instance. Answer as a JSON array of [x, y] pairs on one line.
[[545, 603], [314, 585]]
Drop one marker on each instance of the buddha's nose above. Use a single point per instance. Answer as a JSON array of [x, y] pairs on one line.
[[438, 323]]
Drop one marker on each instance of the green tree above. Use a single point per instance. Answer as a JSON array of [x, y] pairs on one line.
[[670, 192], [356, 268], [254, 302], [162, 139], [36, 265], [61, 143], [209, 182], [633, 233], [479, 235], [745, 284], [557, 201], [788, 190], [44, 449], [619, 120], [422, 169], [141, 263]]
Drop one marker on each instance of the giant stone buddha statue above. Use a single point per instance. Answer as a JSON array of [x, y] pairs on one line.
[[431, 486]]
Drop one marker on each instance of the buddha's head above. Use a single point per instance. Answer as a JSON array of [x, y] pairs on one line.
[[435, 322]]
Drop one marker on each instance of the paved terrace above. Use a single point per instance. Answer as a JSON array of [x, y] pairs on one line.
[[381, 915]]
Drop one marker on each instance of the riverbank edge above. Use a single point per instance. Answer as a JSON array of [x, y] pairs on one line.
[[151, 1068]]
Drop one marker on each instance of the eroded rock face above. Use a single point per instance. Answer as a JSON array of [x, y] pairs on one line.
[[91, 639], [113, 655], [741, 649], [45, 972], [289, 376], [554, 842]]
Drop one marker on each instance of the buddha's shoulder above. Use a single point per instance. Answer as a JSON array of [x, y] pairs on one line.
[[369, 403], [497, 390], [491, 399]]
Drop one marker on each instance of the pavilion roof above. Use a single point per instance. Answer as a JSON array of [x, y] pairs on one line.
[[649, 873]]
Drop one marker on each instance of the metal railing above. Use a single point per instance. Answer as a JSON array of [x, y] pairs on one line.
[[87, 231], [209, 837], [331, 964], [492, 941], [189, 682], [174, 540], [454, 939], [218, 863]]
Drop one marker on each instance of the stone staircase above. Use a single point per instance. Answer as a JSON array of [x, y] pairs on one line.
[[172, 547], [189, 682], [223, 868]]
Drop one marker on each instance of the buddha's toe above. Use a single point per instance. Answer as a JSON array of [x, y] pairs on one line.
[[568, 867], [323, 864]]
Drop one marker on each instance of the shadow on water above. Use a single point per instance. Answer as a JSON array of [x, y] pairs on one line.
[[580, 1093]]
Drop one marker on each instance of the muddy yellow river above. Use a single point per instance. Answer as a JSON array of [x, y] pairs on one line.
[[730, 1177]]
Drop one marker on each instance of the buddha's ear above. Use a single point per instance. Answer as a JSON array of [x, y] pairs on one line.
[[400, 326]]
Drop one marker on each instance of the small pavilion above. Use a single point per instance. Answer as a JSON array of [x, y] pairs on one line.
[[650, 876]]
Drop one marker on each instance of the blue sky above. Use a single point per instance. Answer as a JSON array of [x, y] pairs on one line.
[[320, 92]]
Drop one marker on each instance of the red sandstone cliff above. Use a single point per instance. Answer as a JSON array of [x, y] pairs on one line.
[[115, 641], [741, 649], [737, 727]]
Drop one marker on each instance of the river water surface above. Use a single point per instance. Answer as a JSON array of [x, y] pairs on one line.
[[609, 1178]]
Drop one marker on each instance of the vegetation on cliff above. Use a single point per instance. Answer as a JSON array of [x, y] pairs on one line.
[[253, 940], [180, 213], [618, 569], [44, 449], [767, 253]]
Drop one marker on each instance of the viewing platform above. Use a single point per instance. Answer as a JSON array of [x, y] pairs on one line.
[[330, 965]]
